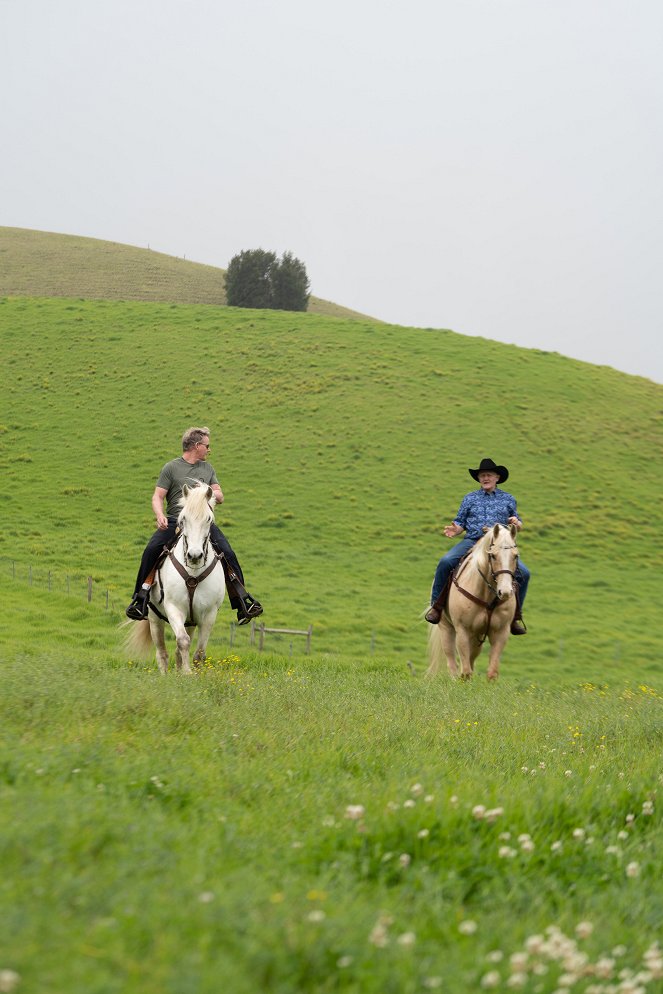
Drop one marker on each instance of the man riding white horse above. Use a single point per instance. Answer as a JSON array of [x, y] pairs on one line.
[[478, 511], [190, 468]]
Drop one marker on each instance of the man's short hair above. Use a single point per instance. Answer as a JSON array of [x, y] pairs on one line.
[[192, 436]]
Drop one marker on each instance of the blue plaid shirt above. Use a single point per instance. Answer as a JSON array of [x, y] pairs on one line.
[[480, 509]]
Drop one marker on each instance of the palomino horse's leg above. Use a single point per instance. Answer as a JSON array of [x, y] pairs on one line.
[[467, 653], [159, 639], [448, 636], [497, 643]]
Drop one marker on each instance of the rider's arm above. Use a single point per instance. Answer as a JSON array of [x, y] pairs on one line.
[[218, 493], [158, 498]]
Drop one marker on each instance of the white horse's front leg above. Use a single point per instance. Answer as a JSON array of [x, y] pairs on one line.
[[182, 639], [159, 639], [204, 631]]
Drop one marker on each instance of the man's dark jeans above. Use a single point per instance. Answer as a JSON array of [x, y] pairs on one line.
[[161, 539]]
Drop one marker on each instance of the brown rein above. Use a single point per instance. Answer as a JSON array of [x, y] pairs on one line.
[[489, 606]]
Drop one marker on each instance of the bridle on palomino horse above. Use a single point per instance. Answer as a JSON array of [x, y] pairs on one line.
[[494, 573]]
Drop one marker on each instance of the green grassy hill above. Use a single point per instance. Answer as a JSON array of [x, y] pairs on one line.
[[46, 264], [343, 448]]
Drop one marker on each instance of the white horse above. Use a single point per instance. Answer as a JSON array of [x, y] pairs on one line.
[[189, 587], [481, 605]]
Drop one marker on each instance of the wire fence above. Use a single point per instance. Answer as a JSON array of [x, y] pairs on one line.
[[80, 586]]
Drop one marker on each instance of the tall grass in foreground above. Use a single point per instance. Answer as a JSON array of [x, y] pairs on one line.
[[324, 825]]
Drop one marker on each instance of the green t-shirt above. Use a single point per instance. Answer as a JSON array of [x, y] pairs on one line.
[[176, 473]]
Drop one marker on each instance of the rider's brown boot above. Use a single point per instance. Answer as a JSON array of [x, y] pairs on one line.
[[518, 627], [433, 615]]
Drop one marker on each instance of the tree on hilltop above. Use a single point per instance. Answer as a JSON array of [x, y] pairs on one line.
[[256, 278]]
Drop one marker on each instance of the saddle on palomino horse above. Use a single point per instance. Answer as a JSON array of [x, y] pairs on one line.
[[436, 610]]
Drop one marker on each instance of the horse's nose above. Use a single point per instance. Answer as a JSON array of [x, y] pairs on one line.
[[194, 556]]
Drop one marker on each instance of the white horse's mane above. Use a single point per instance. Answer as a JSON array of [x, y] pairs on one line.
[[197, 502]]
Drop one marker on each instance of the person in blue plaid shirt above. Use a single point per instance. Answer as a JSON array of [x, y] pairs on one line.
[[479, 510]]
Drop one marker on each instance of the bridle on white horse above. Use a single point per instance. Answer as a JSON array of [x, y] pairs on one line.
[[190, 581]]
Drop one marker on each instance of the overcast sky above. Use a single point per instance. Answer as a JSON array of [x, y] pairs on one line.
[[490, 166]]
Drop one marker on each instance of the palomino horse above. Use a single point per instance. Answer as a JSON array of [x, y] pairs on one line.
[[189, 589], [481, 604]]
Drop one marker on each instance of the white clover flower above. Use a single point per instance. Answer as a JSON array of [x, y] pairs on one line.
[[647, 807], [630, 818], [527, 845], [410, 803], [432, 983], [517, 980], [493, 814], [518, 961], [423, 833], [344, 962], [490, 979], [604, 967], [206, 897], [524, 769], [495, 956], [416, 789], [633, 869], [453, 799], [354, 811], [379, 936], [613, 851], [467, 927], [534, 943], [316, 916], [429, 798], [404, 859], [578, 833], [568, 773], [542, 766], [619, 951], [9, 979], [504, 836], [328, 821], [407, 940], [506, 852], [622, 835], [478, 811], [392, 806]]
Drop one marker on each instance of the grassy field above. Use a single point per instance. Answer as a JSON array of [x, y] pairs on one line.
[[285, 823], [323, 824], [47, 264], [342, 448]]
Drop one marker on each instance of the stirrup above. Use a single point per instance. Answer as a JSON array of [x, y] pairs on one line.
[[249, 609]]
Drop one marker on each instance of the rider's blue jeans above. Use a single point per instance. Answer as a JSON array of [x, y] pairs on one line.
[[450, 560]]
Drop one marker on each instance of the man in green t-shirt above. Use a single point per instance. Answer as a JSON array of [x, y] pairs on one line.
[[191, 468]]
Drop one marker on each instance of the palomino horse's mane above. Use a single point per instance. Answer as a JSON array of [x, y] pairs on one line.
[[196, 502], [485, 542]]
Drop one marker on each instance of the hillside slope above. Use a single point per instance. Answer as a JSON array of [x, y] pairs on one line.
[[46, 264], [343, 448]]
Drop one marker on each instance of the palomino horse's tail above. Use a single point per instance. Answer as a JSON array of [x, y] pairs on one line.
[[435, 651], [138, 643]]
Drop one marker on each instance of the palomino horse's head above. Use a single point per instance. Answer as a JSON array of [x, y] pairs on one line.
[[195, 520], [502, 554]]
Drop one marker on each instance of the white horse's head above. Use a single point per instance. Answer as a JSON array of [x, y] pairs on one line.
[[195, 520], [502, 554]]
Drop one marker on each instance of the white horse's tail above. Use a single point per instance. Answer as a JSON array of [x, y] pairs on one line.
[[138, 643], [435, 651]]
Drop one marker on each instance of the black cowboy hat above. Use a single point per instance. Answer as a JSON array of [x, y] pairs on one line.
[[488, 466]]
